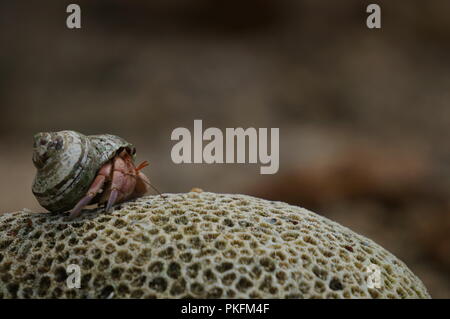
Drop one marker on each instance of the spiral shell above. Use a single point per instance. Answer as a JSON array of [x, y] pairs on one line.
[[67, 163]]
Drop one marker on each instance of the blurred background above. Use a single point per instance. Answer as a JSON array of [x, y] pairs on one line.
[[364, 114]]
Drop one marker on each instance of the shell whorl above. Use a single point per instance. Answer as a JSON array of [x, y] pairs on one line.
[[67, 162]]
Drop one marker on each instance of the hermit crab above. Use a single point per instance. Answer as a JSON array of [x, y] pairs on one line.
[[74, 170]]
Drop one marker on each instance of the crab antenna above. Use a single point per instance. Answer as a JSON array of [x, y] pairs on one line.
[[155, 189], [140, 167]]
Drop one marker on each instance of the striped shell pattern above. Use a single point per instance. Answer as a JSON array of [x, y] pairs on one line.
[[67, 163]]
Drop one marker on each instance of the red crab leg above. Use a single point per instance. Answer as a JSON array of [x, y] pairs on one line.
[[118, 181], [93, 190], [112, 199]]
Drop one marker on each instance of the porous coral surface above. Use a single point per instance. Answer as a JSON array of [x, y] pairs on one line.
[[197, 245]]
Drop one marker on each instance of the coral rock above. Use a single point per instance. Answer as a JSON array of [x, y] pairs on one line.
[[199, 245]]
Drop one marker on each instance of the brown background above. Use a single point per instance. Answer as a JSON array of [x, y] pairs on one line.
[[363, 114]]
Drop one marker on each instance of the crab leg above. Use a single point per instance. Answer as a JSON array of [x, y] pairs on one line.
[[120, 183], [112, 199], [95, 188]]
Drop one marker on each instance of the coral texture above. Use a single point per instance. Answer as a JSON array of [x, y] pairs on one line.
[[198, 245]]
